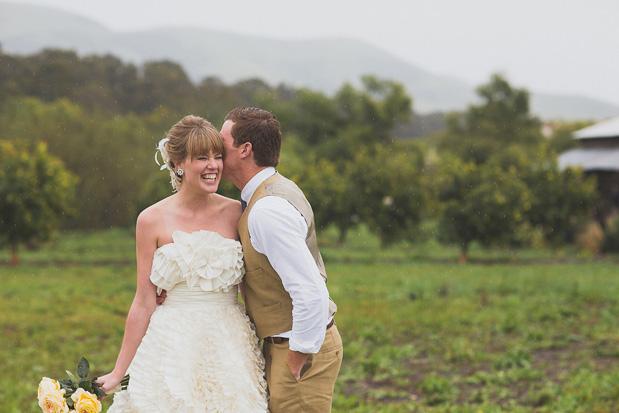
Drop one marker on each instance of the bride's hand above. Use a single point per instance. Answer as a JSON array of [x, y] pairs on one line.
[[110, 382]]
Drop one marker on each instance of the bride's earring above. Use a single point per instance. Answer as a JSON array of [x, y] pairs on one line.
[[179, 172]]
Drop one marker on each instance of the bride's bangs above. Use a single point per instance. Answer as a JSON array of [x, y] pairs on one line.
[[201, 142]]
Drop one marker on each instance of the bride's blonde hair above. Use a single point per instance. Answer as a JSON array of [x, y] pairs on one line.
[[189, 138]]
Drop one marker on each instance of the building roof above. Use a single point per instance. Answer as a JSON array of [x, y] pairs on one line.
[[591, 159], [608, 128]]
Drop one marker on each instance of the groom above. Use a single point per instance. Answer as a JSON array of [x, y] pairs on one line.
[[285, 288]]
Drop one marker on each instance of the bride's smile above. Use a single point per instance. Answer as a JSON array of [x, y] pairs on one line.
[[203, 172]]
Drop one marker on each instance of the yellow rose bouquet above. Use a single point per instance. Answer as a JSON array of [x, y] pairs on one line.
[[76, 394]]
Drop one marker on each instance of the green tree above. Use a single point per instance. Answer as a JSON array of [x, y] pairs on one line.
[[562, 137], [482, 203], [314, 117], [36, 191], [334, 127], [331, 195], [501, 120], [216, 99], [504, 112], [10, 83], [165, 83], [611, 236], [112, 156], [389, 190], [107, 84], [55, 74], [367, 116], [561, 200], [156, 187]]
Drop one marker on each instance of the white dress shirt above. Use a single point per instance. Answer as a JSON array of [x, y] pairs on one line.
[[278, 230]]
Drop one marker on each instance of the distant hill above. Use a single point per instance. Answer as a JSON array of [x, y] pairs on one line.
[[322, 64]]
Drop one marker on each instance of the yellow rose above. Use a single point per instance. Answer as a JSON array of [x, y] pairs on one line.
[[51, 397], [85, 402]]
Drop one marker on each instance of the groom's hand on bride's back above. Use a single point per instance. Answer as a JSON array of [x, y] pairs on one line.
[[161, 297]]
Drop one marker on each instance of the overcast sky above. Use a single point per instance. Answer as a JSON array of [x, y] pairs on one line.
[[561, 46]]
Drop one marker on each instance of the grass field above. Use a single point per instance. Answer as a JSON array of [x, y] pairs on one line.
[[525, 331]]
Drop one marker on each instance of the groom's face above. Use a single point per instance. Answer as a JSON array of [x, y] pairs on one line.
[[231, 157]]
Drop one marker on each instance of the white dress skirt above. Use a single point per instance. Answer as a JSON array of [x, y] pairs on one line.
[[200, 352]]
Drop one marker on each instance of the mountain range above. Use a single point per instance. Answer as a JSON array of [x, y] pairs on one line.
[[322, 63]]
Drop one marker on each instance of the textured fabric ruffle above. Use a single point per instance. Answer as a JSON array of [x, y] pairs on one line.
[[196, 359], [203, 259]]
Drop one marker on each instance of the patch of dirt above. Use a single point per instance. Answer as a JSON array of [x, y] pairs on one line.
[[555, 364]]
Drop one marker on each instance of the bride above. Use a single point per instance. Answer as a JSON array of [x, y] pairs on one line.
[[197, 352]]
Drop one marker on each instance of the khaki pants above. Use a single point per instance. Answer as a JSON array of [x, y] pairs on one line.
[[314, 391]]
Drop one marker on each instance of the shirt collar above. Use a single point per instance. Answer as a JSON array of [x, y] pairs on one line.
[[251, 186]]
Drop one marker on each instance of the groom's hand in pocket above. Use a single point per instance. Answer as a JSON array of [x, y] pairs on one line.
[[161, 297], [296, 361]]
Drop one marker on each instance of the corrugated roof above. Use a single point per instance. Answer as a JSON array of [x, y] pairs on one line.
[[591, 159], [608, 128]]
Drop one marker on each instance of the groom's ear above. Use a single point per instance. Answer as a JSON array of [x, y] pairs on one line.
[[246, 150]]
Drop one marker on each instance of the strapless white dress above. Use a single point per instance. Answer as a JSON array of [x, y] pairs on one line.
[[200, 352]]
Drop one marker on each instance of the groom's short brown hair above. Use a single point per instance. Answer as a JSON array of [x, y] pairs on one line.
[[261, 128]]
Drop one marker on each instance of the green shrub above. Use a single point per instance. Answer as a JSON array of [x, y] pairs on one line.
[[611, 236]]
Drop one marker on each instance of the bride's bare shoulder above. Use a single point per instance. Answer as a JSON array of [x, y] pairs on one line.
[[153, 214], [228, 207], [228, 204]]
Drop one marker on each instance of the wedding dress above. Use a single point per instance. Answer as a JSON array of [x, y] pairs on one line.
[[200, 352]]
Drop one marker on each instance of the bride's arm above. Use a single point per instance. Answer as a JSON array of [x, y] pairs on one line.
[[143, 306]]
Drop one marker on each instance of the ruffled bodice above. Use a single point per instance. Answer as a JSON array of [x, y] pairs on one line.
[[204, 260]]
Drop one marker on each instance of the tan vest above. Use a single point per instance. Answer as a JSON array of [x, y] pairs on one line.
[[268, 304]]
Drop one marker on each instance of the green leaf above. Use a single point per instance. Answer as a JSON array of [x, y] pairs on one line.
[[83, 368], [86, 385], [97, 390], [71, 376], [67, 385]]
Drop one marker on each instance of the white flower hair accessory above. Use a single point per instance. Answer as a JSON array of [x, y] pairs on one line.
[[164, 154], [175, 179]]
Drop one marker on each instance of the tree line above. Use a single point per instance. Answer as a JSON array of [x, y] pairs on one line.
[[489, 177]]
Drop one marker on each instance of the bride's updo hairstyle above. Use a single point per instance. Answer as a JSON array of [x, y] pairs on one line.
[[189, 138]]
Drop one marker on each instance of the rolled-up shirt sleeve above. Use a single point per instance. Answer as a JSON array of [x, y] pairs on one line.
[[278, 230]]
